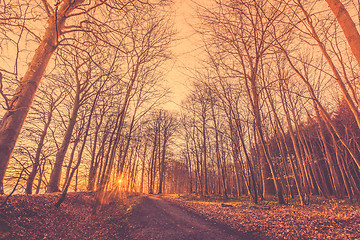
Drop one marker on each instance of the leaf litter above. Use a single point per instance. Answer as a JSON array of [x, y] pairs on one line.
[[328, 219], [36, 217]]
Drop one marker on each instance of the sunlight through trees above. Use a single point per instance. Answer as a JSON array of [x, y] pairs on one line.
[[272, 111]]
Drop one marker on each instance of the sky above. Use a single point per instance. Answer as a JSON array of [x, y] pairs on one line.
[[185, 50]]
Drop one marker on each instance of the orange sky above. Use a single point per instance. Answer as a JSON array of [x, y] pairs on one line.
[[185, 50]]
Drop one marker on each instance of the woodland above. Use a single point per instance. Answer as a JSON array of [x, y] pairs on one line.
[[271, 114]]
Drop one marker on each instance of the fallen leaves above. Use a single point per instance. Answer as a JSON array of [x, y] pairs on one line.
[[326, 220], [35, 217]]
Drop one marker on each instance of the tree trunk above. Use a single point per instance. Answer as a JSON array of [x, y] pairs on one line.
[[267, 168], [93, 166], [76, 167], [68, 168], [348, 26], [35, 167], [14, 118], [143, 169], [204, 153], [55, 176], [337, 76], [221, 174], [162, 166], [298, 184]]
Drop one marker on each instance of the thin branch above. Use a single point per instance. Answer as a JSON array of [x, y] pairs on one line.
[[17, 183], [48, 8], [88, 10], [2, 92]]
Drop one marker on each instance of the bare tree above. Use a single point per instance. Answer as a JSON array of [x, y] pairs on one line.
[[52, 103], [65, 19], [20, 103]]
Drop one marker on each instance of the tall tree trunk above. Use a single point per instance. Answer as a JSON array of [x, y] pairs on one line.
[[162, 166], [143, 170], [153, 163], [55, 176], [189, 167], [249, 164], [93, 166], [68, 168], [299, 186], [76, 167], [124, 153], [206, 191], [36, 165], [347, 25], [14, 117], [267, 167], [41, 173], [324, 113], [336, 73], [221, 174]]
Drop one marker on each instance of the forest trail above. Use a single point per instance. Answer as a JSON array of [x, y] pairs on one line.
[[158, 219]]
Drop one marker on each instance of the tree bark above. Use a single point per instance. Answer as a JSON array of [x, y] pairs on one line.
[[347, 25]]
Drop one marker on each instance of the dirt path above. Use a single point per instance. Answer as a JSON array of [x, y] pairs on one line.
[[156, 218]]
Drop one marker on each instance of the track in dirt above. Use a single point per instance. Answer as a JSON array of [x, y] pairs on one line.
[[158, 219]]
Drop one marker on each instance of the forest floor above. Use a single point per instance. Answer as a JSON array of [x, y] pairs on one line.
[[322, 219], [35, 217], [174, 217]]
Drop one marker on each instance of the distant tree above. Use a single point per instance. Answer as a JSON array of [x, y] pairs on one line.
[[168, 128], [238, 34]]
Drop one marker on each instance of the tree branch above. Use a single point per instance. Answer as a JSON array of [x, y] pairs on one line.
[[2, 92], [48, 8]]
